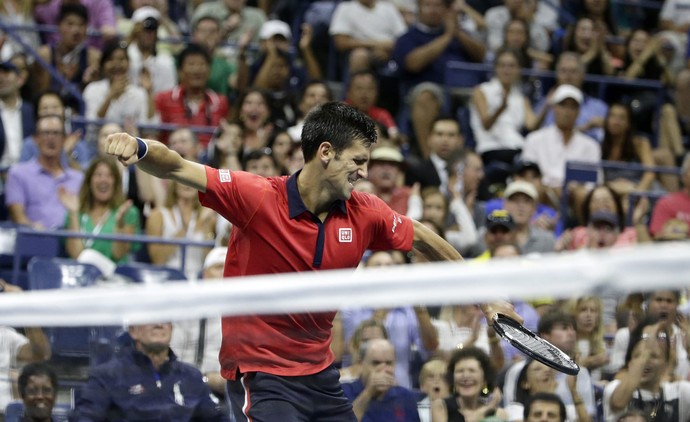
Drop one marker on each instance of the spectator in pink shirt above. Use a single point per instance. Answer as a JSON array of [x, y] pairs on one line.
[[604, 199], [671, 215]]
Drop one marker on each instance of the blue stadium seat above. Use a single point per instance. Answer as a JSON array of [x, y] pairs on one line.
[[14, 411], [61, 273], [71, 342], [147, 273], [465, 75], [16, 253], [576, 171]]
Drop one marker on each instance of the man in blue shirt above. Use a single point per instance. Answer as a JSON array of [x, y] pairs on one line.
[[147, 382], [422, 54], [375, 397], [571, 71]]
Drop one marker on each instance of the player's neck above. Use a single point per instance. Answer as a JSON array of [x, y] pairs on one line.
[[316, 198]]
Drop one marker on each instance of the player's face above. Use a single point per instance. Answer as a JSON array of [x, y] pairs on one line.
[[346, 168]]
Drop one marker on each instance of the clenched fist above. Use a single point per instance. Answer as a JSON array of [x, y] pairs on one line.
[[123, 146]]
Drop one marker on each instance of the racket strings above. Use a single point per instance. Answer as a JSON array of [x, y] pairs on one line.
[[536, 345]]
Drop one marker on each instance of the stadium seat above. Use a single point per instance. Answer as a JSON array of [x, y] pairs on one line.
[[61, 273], [16, 249], [576, 171], [147, 273], [71, 343], [14, 411]]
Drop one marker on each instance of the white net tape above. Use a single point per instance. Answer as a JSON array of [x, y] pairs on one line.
[[642, 268]]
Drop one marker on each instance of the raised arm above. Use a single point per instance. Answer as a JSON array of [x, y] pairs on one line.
[[434, 248], [38, 347], [159, 160]]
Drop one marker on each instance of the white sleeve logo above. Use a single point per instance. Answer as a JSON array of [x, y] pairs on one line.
[[396, 220], [224, 175]]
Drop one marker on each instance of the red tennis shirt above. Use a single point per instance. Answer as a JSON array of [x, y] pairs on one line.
[[273, 232]]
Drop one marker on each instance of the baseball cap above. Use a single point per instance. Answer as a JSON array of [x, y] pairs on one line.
[[499, 218], [274, 27], [389, 154], [215, 256], [521, 186], [148, 15], [564, 92], [9, 66], [604, 217]]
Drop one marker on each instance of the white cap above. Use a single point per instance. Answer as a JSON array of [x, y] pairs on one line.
[[215, 256], [521, 186], [145, 12], [384, 153], [564, 92], [274, 27]]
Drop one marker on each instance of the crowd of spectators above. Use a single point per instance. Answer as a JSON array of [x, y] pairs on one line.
[[228, 82]]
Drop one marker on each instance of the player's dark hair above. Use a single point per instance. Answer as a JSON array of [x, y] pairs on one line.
[[339, 124]]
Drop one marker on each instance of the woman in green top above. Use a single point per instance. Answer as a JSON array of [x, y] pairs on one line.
[[101, 208]]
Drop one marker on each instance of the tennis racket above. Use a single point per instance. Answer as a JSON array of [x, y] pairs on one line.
[[533, 346]]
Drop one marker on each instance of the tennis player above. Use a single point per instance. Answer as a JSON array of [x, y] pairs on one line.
[[279, 367]]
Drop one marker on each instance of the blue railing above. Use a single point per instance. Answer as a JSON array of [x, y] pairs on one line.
[[456, 75], [23, 231], [169, 127]]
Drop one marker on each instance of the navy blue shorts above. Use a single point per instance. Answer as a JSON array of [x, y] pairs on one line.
[[261, 397]]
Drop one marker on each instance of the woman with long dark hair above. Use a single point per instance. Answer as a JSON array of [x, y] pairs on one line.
[[622, 144], [588, 39], [101, 208], [603, 198]]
